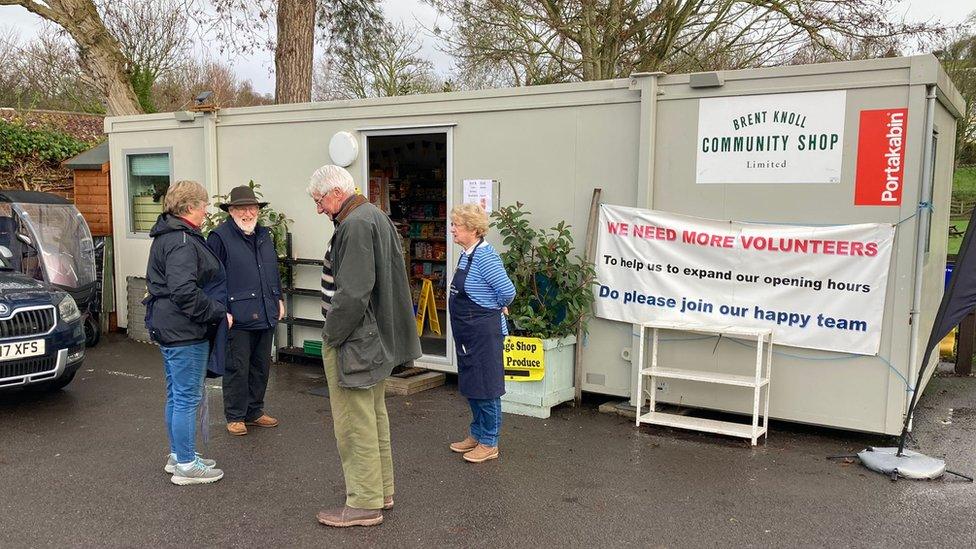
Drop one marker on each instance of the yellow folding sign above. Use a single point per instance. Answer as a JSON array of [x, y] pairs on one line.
[[425, 303], [523, 358]]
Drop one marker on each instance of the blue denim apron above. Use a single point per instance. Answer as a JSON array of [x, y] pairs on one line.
[[478, 340]]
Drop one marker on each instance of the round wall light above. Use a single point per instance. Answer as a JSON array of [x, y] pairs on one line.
[[343, 149]]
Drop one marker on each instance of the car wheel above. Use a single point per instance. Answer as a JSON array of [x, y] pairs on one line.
[[93, 331]]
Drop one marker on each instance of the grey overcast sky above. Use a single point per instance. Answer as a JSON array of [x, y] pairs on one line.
[[258, 68]]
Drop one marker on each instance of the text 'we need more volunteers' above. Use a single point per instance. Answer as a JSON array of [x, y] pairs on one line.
[[746, 242]]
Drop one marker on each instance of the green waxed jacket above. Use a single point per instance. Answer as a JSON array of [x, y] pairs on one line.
[[371, 323]]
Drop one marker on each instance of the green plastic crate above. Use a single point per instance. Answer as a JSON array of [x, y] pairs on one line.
[[313, 347]]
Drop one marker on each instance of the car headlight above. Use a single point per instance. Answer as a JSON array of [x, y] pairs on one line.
[[69, 309]]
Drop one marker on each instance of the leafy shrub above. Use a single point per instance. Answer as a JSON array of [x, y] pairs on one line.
[[553, 288]]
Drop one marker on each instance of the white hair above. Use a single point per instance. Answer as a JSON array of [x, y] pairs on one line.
[[329, 177]]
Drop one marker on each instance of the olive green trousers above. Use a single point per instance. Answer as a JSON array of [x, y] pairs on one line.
[[362, 431]]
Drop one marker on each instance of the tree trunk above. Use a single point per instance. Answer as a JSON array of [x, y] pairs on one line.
[[100, 53], [293, 53]]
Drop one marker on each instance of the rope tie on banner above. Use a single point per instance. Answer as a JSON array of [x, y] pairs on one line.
[[908, 386], [921, 206]]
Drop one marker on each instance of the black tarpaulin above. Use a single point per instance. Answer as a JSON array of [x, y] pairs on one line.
[[959, 300]]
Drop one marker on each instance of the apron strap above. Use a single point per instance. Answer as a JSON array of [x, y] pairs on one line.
[[473, 251]]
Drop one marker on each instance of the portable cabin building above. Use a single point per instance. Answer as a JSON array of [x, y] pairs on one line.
[[548, 147]]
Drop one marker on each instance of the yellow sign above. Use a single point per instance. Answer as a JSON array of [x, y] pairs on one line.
[[425, 303], [523, 359]]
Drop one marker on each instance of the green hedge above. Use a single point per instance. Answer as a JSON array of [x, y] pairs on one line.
[[22, 144]]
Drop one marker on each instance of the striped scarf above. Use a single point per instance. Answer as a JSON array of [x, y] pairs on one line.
[[328, 281]]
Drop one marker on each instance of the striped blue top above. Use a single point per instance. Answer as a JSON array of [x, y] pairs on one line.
[[488, 284]]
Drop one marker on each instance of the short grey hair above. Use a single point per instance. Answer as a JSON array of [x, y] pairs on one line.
[[183, 196], [329, 177]]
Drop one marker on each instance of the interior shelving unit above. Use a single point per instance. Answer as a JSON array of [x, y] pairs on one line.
[[758, 382]]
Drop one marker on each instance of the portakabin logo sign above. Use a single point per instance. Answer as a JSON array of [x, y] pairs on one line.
[[881, 157]]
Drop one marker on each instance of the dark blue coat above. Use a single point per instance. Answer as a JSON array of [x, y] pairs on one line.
[[178, 310], [253, 281]]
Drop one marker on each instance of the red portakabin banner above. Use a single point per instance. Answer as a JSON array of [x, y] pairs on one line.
[[881, 157]]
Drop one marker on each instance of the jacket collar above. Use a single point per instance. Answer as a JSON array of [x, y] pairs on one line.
[[348, 206]]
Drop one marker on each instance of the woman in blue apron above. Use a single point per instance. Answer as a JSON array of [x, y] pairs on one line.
[[480, 292]]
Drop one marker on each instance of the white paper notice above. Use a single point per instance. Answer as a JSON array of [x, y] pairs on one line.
[[478, 191]]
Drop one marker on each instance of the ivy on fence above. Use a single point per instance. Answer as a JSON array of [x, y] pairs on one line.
[[30, 157]]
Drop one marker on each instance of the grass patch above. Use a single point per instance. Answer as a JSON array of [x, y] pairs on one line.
[[964, 183], [963, 188], [955, 241]]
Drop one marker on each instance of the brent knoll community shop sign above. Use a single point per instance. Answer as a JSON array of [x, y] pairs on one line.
[[775, 138], [815, 287]]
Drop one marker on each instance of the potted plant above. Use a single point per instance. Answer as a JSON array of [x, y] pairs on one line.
[[553, 293]]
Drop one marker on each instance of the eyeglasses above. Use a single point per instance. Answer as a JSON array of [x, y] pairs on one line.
[[318, 201]]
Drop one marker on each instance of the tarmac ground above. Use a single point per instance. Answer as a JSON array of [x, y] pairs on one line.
[[82, 467]]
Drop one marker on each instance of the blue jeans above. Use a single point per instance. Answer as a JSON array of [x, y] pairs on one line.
[[486, 420], [185, 367]]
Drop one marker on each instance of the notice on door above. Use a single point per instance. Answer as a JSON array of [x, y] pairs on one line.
[[775, 138], [815, 287]]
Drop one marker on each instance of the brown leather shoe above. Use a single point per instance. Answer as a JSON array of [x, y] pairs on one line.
[[350, 516], [481, 453], [465, 445], [264, 421], [236, 428], [388, 503]]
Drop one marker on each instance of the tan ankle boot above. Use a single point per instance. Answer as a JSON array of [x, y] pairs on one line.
[[465, 445], [350, 516], [481, 453]]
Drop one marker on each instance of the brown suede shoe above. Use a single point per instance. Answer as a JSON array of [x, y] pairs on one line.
[[264, 421], [481, 453], [388, 503], [236, 428], [350, 516], [465, 445]]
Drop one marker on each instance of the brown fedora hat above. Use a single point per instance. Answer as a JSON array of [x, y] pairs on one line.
[[242, 196]]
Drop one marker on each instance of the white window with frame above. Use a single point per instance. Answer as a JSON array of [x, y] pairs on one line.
[[148, 175]]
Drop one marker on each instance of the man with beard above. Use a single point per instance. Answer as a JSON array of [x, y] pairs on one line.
[[254, 302]]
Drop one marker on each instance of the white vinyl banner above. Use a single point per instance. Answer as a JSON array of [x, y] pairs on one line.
[[815, 287], [777, 138]]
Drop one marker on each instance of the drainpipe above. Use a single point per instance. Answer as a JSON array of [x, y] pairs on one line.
[[210, 153], [924, 214], [646, 83]]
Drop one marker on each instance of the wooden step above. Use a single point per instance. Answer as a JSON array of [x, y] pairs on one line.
[[413, 380]]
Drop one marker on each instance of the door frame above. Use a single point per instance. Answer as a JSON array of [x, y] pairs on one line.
[[445, 363]]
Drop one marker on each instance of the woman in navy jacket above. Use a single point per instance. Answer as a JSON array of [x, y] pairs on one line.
[[246, 249], [181, 318]]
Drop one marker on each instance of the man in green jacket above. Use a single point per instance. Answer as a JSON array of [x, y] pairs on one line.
[[369, 329]]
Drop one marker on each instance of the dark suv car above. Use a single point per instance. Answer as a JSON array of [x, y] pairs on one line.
[[42, 339]]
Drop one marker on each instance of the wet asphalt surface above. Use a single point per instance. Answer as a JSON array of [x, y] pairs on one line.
[[83, 468]]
